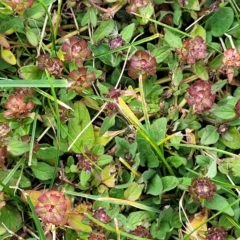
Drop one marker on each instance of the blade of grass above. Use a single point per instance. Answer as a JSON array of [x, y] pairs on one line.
[[202, 147], [58, 127], [32, 138], [36, 220], [11, 173], [114, 201], [33, 83], [52, 98]]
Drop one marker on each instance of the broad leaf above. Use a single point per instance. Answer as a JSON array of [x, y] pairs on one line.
[[76, 124]]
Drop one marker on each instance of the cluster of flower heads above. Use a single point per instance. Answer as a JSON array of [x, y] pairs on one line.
[[200, 96], [19, 104], [192, 50]]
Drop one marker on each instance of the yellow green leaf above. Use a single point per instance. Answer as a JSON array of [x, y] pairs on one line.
[[8, 56]]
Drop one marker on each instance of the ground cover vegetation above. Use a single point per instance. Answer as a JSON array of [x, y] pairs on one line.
[[119, 119]]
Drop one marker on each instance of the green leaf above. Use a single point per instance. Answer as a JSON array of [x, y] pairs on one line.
[[225, 112], [43, 171], [199, 31], [220, 21], [31, 37], [92, 16], [210, 135], [30, 72], [109, 59], [133, 192], [200, 70], [161, 53], [11, 217], [45, 153], [107, 176], [219, 203], [155, 186], [75, 220], [169, 183], [147, 155], [158, 129], [104, 160], [127, 32], [216, 62], [177, 161], [8, 56], [24, 181], [108, 122], [172, 39], [76, 124], [84, 177], [230, 165], [234, 140], [177, 76], [17, 148], [192, 5], [104, 30]]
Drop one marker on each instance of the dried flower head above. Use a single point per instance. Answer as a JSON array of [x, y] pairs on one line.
[[53, 65], [222, 128], [135, 5], [101, 215], [80, 79], [75, 50], [200, 96], [193, 49], [97, 236], [216, 233], [116, 42], [86, 162], [17, 107], [19, 6], [231, 60], [141, 231], [52, 207], [202, 189], [111, 107], [142, 63]]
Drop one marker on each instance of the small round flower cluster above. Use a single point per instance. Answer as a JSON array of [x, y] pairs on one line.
[[141, 231], [216, 233], [112, 107], [200, 96], [142, 63], [135, 5], [202, 189], [86, 162], [52, 207], [193, 49], [19, 6], [53, 65], [76, 50], [115, 42], [19, 104], [231, 60]]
